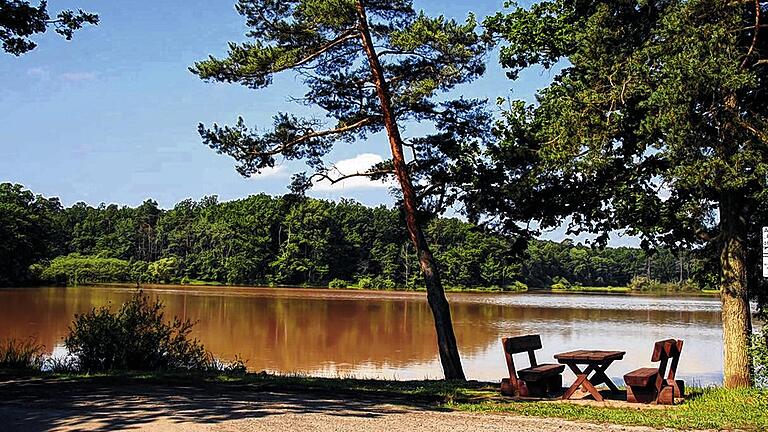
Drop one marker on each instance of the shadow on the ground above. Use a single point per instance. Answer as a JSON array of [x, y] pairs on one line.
[[103, 405]]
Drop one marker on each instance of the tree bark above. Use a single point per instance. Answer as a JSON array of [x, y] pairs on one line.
[[446, 340], [737, 368]]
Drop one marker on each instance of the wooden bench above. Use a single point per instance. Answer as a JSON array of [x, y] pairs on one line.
[[536, 380], [649, 385]]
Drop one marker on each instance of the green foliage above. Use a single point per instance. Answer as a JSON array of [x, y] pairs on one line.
[[383, 283], [654, 123], [365, 283], [759, 354], [289, 240], [645, 284], [74, 269], [338, 283], [136, 337], [560, 284], [162, 270], [19, 20], [422, 58], [515, 286], [30, 229], [16, 354]]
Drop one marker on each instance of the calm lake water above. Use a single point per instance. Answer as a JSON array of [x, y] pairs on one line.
[[390, 334]]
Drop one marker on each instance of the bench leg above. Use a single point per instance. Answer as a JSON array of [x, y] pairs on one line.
[[641, 394]]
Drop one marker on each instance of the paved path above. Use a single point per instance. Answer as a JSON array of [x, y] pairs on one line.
[[67, 406]]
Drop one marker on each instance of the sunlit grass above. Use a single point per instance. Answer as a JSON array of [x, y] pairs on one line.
[[713, 408]]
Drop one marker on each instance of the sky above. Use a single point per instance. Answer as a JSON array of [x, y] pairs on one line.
[[112, 115]]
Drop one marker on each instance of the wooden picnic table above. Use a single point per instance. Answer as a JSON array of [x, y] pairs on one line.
[[596, 363]]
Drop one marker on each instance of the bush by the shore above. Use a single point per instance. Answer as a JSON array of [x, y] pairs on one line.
[[136, 337]]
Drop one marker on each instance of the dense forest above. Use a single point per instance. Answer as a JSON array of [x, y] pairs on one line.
[[289, 240]]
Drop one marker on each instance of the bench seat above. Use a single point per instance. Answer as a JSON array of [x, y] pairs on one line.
[[642, 377], [540, 372]]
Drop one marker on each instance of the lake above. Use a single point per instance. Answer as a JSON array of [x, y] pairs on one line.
[[391, 334]]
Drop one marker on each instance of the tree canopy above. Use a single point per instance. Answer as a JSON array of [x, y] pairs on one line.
[[655, 122], [20, 20], [288, 240]]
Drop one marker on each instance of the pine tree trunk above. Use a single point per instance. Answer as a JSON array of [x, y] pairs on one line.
[[446, 340], [737, 369]]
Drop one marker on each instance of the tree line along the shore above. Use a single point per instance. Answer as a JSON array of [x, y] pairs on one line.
[[292, 240]]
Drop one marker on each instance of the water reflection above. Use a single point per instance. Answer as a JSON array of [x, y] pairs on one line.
[[391, 334]]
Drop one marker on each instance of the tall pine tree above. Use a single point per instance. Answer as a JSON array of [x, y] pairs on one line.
[[370, 66]]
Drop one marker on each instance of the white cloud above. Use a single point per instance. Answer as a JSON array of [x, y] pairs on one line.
[[78, 76], [275, 171], [39, 73], [358, 164]]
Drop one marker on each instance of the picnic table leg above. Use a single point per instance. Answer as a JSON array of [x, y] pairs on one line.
[[599, 377], [581, 380], [592, 390]]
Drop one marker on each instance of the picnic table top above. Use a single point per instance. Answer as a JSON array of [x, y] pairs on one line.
[[589, 356]]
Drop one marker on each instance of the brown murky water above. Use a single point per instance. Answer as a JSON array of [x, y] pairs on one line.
[[391, 335]]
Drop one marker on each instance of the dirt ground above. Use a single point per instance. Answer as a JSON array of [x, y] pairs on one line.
[[41, 405]]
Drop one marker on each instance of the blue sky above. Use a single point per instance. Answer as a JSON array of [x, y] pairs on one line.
[[112, 116]]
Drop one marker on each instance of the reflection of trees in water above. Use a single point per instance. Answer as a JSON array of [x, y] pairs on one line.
[[305, 334]]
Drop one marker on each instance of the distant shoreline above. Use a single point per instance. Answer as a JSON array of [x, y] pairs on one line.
[[417, 291]]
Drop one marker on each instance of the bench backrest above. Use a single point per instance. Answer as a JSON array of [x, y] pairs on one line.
[[519, 344], [664, 351]]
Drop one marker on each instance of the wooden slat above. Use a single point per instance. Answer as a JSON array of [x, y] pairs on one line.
[[570, 355], [520, 344], [663, 349], [641, 377], [588, 356]]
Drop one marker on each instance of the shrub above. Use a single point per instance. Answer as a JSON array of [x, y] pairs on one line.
[[516, 286], [365, 283], [18, 354], [383, 283], [138, 272], [643, 283], [760, 358], [75, 268], [136, 337], [560, 283], [338, 283], [162, 270]]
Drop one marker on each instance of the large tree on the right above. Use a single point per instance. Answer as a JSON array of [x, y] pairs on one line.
[[656, 122]]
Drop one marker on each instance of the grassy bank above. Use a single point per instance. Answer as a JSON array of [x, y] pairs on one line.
[[745, 409]]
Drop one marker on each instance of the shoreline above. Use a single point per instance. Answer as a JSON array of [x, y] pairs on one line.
[[367, 292], [414, 292], [82, 399]]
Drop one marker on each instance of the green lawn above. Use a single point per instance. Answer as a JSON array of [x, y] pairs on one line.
[[705, 409]]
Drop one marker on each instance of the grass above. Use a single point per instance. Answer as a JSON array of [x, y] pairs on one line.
[[17, 354], [711, 408]]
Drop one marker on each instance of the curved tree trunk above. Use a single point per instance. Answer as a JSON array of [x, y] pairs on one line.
[[737, 368], [446, 340]]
